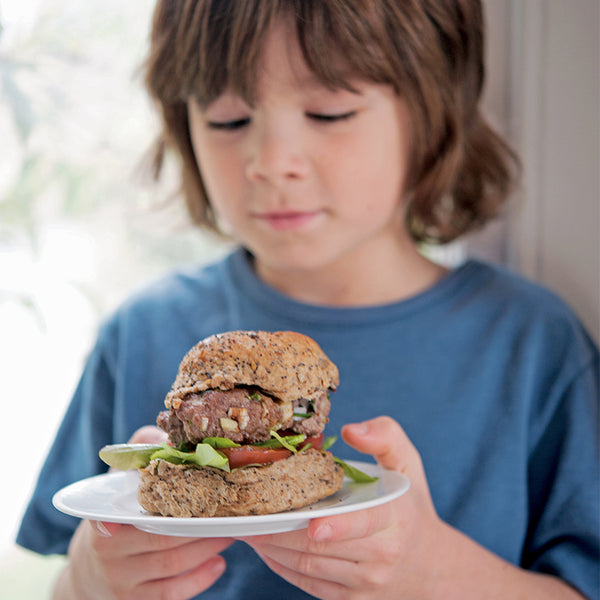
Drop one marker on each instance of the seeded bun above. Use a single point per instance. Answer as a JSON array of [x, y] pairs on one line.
[[245, 385], [184, 491], [285, 364]]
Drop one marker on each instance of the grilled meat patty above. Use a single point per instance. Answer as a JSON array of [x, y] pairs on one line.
[[242, 414]]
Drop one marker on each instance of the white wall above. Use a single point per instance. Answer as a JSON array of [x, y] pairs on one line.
[[554, 122]]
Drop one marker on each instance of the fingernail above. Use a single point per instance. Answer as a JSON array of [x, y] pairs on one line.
[[102, 529], [360, 428], [322, 533]]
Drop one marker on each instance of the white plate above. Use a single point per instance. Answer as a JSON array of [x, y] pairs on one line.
[[112, 497]]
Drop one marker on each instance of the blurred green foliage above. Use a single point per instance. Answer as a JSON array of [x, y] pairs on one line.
[[76, 210], [75, 125]]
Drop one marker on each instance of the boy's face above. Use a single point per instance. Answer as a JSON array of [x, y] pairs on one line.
[[309, 176]]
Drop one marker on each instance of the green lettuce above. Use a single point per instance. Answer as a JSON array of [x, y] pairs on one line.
[[138, 456], [287, 441], [128, 456], [353, 473], [204, 456], [220, 442]]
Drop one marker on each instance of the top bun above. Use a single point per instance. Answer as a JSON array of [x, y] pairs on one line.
[[285, 364]]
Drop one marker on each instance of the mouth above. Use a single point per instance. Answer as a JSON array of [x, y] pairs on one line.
[[285, 220]]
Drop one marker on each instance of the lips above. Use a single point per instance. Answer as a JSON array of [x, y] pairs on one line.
[[284, 220]]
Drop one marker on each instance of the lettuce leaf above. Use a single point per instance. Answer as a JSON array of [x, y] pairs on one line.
[[127, 456], [220, 442], [204, 456], [353, 473], [329, 441], [137, 456], [288, 441]]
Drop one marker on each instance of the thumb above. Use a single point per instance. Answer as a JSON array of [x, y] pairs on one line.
[[104, 529], [149, 434], [386, 441]]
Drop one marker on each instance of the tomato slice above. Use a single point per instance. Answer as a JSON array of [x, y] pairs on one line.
[[253, 455], [315, 442], [243, 456]]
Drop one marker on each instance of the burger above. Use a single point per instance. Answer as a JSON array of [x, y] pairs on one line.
[[245, 419]]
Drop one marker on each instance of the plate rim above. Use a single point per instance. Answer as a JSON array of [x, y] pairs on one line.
[[304, 514]]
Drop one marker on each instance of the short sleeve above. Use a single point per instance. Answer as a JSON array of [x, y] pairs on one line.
[[564, 531]]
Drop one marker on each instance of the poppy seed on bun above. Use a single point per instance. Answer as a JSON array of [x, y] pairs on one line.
[[285, 364], [248, 387]]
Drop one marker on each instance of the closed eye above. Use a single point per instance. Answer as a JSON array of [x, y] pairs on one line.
[[325, 118], [228, 125]]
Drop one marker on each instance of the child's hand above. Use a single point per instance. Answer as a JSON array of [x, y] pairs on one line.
[[383, 552], [109, 560], [148, 434]]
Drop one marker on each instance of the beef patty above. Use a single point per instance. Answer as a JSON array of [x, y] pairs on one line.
[[242, 414]]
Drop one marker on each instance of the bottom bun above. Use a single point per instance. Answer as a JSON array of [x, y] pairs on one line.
[[185, 491]]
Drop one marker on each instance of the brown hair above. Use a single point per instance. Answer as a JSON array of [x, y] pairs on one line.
[[430, 51]]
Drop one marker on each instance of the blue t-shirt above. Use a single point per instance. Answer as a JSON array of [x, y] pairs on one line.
[[492, 377]]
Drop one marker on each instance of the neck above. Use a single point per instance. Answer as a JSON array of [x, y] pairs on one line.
[[361, 280]]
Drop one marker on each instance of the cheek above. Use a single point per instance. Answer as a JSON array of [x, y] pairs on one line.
[[368, 179], [220, 172]]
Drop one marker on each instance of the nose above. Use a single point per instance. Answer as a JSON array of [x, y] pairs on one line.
[[277, 155]]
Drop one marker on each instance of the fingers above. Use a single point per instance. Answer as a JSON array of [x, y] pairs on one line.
[[369, 526], [363, 552], [330, 535], [136, 564], [304, 544], [384, 439], [104, 529], [387, 442], [334, 578], [149, 434], [357, 526], [126, 540], [185, 586], [320, 588], [171, 563]]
